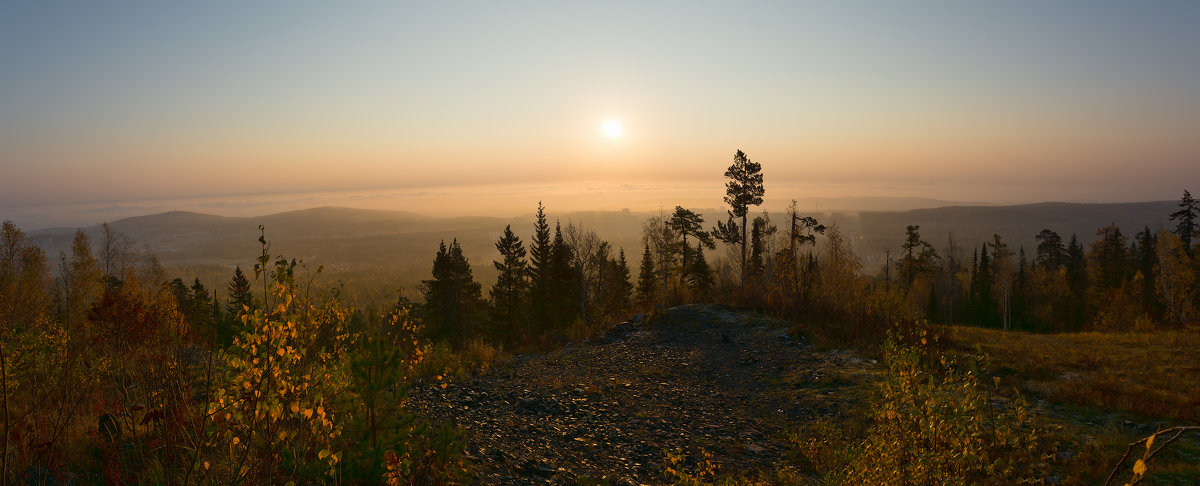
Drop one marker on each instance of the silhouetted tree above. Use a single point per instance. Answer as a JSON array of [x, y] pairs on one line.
[[1187, 228], [657, 234], [1144, 255], [614, 288], [510, 294], [621, 275], [1077, 282], [699, 274], [918, 257], [1110, 258], [802, 230], [452, 298], [981, 288], [240, 299], [646, 283], [540, 285], [1050, 250], [1002, 272], [744, 189], [684, 223], [562, 294], [761, 231]]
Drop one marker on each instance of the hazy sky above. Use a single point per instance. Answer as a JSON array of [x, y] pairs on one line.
[[1003, 102]]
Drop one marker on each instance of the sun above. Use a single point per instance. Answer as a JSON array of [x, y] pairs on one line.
[[613, 129]]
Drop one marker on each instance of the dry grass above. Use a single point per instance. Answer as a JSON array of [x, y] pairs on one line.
[[1151, 373]]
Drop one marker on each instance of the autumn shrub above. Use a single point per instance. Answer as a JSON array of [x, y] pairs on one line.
[[937, 424], [299, 397]]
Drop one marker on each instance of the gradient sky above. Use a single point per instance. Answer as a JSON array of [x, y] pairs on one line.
[[1005, 102]]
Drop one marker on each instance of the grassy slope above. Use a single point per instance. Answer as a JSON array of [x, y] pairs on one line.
[[1108, 389], [1154, 374]]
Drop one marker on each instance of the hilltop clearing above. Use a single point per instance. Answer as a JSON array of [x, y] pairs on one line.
[[696, 379]]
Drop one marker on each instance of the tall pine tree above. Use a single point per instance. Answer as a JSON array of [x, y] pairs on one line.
[[744, 189]]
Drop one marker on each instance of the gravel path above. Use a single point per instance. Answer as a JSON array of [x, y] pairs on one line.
[[698, 379]]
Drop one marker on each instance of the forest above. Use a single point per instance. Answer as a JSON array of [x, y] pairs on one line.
[[114, 371]]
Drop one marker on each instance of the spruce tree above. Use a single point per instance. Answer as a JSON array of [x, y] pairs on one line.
[[561, 294], [1111, 257], [540, 251], [699, 274], [240, 300], [1077, 283], [1145, 260], [982, 284], [510, 294], [1188, 227], [646, 280], [623, 288], [453, 298], [760, 233]]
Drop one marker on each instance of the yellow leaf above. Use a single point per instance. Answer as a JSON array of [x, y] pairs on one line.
[[295, 407], [205, 465], [282, 434], [323, 454], [235, 441], [1150, 442], [1139, 467]]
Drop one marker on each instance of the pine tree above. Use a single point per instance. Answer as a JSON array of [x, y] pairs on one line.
[[918, 256], [1188, 227], [1050, 250], [744, 189], [510, 294], [453, 298], [646, 280], [685, 222]]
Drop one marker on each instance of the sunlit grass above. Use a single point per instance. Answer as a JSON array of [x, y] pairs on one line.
[[1155, 374]]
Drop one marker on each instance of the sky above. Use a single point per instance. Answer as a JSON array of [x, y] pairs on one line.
[[214, 105]]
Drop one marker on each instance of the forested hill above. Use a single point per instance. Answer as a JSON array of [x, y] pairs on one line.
[[872, 232], [402, 244]]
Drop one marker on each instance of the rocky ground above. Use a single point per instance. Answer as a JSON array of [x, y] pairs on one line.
[[698, 379]]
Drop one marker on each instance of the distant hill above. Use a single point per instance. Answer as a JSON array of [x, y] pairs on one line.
[[876, 231], [396, 248]]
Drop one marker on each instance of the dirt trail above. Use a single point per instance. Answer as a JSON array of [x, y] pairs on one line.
[[699, 378]]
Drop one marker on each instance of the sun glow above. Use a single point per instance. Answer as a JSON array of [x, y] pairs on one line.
[[613, 129]]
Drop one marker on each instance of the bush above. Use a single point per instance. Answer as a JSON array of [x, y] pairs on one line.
[[942, 428]]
